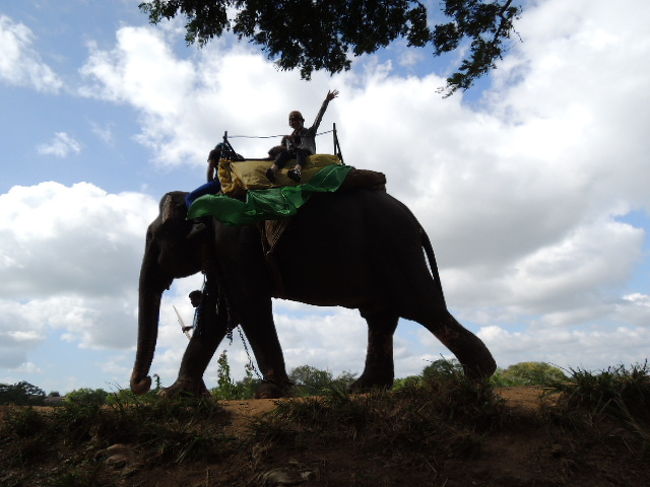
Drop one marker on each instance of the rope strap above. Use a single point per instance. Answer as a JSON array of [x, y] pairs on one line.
[[268, 136]]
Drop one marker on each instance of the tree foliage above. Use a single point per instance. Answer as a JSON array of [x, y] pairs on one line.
[[21, 394], [310, 381], [227, 388], [529, 374], [325, 34], [88, 396]]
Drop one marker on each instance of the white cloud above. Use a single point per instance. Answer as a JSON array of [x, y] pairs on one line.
[[20, 64], [61, 145], [70, 260], [591, 348], [104, 132], [410, 57]]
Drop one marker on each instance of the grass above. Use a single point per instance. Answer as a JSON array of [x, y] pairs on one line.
[[431, 422], [444, 415], [618, 394], [70, 439]]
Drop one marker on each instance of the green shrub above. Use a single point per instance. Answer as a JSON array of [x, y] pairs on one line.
[[87, 396], [310, 381], [528, 374], [227, 388]]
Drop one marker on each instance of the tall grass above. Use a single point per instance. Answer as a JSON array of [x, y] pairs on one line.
[[444, 413], [169, 430], [619, 393]]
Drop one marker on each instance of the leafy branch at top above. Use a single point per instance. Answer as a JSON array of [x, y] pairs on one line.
[[316, 35]]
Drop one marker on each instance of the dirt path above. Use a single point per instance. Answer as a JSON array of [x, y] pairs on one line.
[[244, 410]]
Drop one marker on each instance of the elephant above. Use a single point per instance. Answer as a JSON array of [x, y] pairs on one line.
[[359, 249]]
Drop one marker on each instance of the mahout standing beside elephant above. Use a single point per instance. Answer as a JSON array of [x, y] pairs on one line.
[[358, 249]]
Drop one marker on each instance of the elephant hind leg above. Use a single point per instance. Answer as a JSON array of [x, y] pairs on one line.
[[258, 324], [471, 352], [379, 371]]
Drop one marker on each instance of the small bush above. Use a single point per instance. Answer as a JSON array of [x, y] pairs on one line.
[[528, 374], [619, 393], [90, 397], [310, 381]]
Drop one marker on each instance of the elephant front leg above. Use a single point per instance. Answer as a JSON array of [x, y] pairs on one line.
[[379, 371], [197, 356], [204, 342]]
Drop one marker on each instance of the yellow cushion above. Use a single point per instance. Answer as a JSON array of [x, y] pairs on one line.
[[230, 185], [237, 176]]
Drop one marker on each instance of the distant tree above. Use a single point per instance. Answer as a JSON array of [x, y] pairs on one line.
[[528, 374], [21, 393], [227, 388], [442, 367], [225, 383], [325, 34], [409, 381], [344, 379], [310, 381], [87, 396]]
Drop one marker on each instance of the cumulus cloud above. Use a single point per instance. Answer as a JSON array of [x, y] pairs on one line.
[[104, 132], [21, 64], [186, 105], [61, 145], [69, 257], [592, 348]]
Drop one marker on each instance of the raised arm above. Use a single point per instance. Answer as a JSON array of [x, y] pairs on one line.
[[330, 96]]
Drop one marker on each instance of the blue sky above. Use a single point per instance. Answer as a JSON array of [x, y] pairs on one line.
[[532, 186]]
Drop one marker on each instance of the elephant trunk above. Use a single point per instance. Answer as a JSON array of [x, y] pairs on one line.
[[148, 315], [152, 285]]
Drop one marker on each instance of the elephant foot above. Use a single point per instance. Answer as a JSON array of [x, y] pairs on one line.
[[479, 368], [473, 355], [272, 390], [366, 384], [185, 388]]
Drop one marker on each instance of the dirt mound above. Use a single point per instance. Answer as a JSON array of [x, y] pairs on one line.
[[521, 444]]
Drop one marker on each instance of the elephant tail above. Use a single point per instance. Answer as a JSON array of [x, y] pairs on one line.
[[428, 250]]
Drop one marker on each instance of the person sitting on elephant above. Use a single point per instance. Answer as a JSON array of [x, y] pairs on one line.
[[300, 144], [213, 186]]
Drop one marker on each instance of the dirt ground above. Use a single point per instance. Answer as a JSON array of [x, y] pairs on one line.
[[526, 454], [527, 398]]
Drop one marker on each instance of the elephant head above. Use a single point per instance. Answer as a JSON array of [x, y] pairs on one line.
[[168, 255]]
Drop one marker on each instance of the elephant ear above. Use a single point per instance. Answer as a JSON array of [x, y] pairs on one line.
[[173, 207]]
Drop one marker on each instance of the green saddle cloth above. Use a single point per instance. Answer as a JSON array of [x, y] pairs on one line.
[[268, 204]]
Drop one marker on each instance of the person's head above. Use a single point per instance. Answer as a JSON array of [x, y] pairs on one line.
[[215, 153], [296, 120], [195, 297]]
